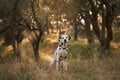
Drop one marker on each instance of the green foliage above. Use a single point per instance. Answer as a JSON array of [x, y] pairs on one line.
[[90, 50], [72, 9], [43, 43], [75, 50], [116, 35], [116, 7], [86, 51], [9, 57], [24, 4], [5, 7]]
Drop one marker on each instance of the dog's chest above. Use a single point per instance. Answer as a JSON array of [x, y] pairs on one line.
[[62, 50]]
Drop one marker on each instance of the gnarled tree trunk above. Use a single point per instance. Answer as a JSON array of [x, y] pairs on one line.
[[87, 28]]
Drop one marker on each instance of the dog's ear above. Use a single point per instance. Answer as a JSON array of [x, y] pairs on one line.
[[59, 38], [69, 37]]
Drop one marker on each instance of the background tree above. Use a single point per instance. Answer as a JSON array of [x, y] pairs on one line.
[[107, 19], [14, 35], [35, 19], [34, 16], [17, 21]]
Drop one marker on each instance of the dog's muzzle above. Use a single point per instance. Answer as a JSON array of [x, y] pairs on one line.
[[64, 40]]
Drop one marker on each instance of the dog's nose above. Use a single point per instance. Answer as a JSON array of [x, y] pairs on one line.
[[64, 40]]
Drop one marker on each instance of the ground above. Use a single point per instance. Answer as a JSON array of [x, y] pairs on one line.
[[83, 63]]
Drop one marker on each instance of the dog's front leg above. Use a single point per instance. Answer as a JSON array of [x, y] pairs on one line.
[[57, 62], [65, 65]]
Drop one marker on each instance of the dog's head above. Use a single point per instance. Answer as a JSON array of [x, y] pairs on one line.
[[64, 38]]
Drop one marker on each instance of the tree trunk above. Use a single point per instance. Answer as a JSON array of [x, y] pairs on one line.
[[7, 40], [108, 26], [95, 25], [103, 33], [75, 27], [19, 37], [52, 29], [59, 29], [36, 50], [104, 36], [13, 43], [47, 29], [35, 39], [87, 29], [19, 51], [11, 26], [106, 23]]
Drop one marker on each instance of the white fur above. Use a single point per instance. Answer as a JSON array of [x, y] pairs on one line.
[[61, 53]]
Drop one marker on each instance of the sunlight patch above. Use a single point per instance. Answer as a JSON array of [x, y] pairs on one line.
[[25, 41], [45, 56], [6, 50]]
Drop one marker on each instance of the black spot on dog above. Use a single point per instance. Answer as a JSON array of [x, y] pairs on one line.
[[59, 38], [65, 57], [60, 58], [59, 45], [66, 49], [59, 48]]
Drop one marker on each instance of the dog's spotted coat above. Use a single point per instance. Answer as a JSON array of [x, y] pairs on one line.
[[61, 53]]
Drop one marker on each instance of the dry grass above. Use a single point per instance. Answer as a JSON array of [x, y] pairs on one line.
[[79, 68], [106, 69]]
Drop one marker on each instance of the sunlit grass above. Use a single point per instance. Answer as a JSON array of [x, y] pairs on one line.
[[45, 56], [52, 38], [81, 63], [5, 50], [115, 45]]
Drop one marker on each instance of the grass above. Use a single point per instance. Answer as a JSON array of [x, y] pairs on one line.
[[106, 69], [84, 50], [116, 35], [82, 64]]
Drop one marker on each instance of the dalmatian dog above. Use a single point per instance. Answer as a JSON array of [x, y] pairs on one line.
[[61, 53]]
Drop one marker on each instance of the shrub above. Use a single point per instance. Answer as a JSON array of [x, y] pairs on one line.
[[83, 50], [116, 35]]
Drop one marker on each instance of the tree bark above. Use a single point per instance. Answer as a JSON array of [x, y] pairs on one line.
[[11, 26], [35, 42], [19, 51], [106, 23], [103, 32], [87, 28], [35, 39], [75, 27], [108, 26]]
